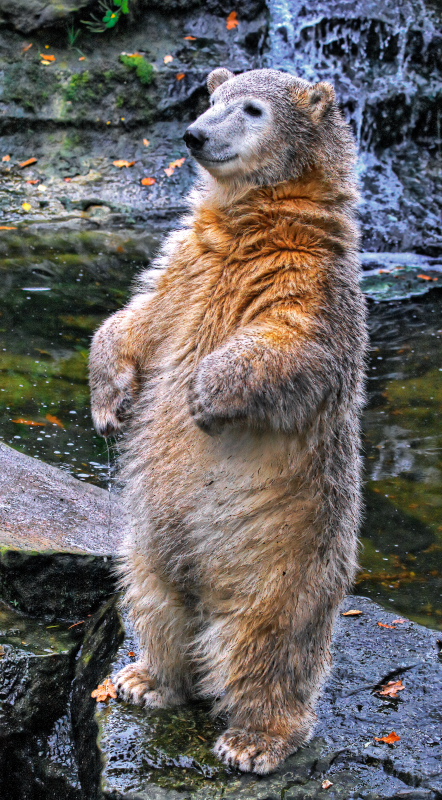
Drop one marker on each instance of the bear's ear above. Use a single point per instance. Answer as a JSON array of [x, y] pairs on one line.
[[321, 97], [217, 77]]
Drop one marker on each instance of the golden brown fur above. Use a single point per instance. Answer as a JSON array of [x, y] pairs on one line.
[[239, 376]]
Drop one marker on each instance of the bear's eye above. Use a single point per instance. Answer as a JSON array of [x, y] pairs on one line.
[[252, 110]]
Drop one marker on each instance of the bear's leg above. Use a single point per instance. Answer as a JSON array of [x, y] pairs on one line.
[[163, 676], [273, 673]]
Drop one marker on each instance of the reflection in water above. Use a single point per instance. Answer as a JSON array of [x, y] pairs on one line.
[[44, 339]]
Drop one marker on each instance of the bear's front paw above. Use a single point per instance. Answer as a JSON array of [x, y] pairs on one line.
[[112, 396], [202, 411], [251, 751], [135, 685]]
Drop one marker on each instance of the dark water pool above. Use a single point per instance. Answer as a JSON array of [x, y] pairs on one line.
[[47, 316]]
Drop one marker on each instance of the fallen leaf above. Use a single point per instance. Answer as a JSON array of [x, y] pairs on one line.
[[391, 689], [131, 654], [190, 38], [104, 691], [27, 47], [45, 63], [168, 59], [384, 271], [232, 21], [8, 227], [54, 420], [169, 171], [21, 421], [352, 612], [28, 162], [392, 737], [122, 163], [42, 187], [178, 163], [180, 76], [384, 625], [82, 58], [6, 158], [146, 142], [326, 784], [26, 207], [148, 181], [425, 277], [33, 183], [47, 57], [75, 624], [399, 621]]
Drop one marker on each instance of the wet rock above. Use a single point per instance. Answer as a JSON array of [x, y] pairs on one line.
[[167, 754], [28, 15], [57, 537]]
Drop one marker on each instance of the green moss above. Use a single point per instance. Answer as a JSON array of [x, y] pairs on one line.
[[120, 101], [142, 67], [78, 88], [29, 85]]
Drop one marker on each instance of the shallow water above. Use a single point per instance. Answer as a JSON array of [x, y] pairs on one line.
[[47, 317]]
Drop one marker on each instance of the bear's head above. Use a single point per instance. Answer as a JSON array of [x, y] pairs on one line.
[[266, 126]]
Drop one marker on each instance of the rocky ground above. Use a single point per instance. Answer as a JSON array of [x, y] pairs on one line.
[[61, 635]]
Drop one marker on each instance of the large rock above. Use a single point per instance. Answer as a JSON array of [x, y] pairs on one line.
[[28, 15]]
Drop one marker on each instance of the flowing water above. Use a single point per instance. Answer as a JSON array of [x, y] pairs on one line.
[[47, 316]]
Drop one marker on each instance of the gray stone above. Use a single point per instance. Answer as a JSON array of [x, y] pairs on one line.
[[28, 15]]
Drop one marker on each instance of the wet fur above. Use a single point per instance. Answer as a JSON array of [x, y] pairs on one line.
[[237, 372]]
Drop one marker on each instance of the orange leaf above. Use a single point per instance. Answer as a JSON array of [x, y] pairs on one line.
[[384, 271], [190, 38], [122, 163], [146, 142], [104, 691], [6, 158], [178, 163], [28, 162], [392, 737], [27, 47], [8, 227], [47, 57], [75, 624], [232, 20], [353, 612], [131, 654], [54, 420], [391, 689], [148, 181], [82, 58], [29, 422], [326, 784], [168, 59], [180, 76], [384, 625], [33, 183], [425, 277], [169, 171], [400, 620]]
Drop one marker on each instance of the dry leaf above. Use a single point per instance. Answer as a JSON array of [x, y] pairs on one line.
[[180, 76], [425, 277], [33, 183], [391, 689], [148, 181], [400, 620], [6, 158], [82, 58], [169, 171], [26, 207], [352, 612], [326, 784], [146, 142], [54, 420], [190, 38], [47, 57], [27, 47], [104, 691], [8, 227], [21, 421], [232, 21], [178, 163], [392, 737], [122, 163], [384, 625], [168, 59], [131, 654], [28, 162], [75, 624]]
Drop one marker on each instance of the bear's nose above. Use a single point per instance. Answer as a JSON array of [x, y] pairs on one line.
[[194, 138]]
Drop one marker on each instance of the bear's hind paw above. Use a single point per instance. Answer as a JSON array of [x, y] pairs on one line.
[[251, 751], [134, 685]]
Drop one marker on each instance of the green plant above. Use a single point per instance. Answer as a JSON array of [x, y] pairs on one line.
[[111, 15], [72, 33], [142, 67]]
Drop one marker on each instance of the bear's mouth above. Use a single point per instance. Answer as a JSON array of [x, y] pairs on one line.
[[214, 160]]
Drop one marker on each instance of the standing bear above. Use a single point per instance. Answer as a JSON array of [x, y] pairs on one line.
[[236, 374]]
